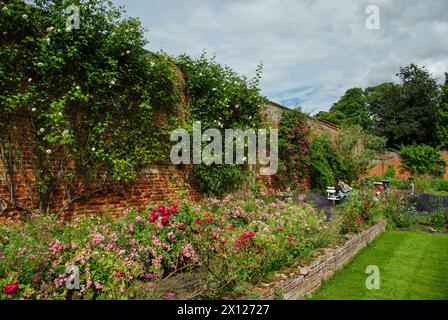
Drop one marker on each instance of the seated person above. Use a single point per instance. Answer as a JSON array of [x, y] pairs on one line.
[[342, 190], [346, 188]]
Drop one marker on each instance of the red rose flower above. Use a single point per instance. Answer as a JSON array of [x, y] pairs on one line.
[[209, 220], [153, 218], [245, 236], [173, 209], [165, 221], [251, 234], [181, 228], [366, 213], [198, 221], [238, 244], [120, 275], [223, 240], [232, 228], [161, 209], [11, 288]]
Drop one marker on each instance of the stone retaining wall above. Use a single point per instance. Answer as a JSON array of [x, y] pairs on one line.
[[308, 279]]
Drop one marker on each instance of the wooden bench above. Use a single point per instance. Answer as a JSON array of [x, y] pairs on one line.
[[331, 195]]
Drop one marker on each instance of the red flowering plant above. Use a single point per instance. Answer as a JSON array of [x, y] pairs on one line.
[[294, 148], [358, 213]]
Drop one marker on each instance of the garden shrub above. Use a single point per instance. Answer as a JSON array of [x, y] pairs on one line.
[[324, 163], [422, 159], [355, 148], [359, 213], [441, 185], [221, 99], [390, 172]]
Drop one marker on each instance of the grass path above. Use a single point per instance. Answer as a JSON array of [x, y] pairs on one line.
[[413, 265]]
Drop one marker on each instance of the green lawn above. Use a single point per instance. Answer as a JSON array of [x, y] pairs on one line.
[[413, 265]]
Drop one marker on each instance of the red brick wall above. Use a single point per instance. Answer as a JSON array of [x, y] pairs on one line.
[[154, 185], [392, 159]]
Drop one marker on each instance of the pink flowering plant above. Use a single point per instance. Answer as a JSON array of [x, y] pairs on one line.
[[231, 241]]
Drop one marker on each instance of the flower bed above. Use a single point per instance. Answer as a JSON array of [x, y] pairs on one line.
[[234, 242], [307, 279]]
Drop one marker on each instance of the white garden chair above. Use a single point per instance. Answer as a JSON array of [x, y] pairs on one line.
[[331, 195]]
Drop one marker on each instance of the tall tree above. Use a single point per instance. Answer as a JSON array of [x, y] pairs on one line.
[[442, 117], [351, 109], [406, 113]]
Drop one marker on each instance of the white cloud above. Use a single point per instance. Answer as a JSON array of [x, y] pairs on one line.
[[312, 50]]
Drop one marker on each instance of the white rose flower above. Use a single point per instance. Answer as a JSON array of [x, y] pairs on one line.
[[5, 8], [49, 29], [112, 82], [5, 33], [68, 29], [93, 149], [25, 16], [30, 79], [77, 88], [122, 54], [40, 64], [113, 34], [42, 130], [33, 110], [48, 151], [128, 52], [60, 114]]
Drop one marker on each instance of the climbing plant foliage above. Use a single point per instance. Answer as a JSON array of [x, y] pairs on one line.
[[98, 105], [89, 95], [220, 99]]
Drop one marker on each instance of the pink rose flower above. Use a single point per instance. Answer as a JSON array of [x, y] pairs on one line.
[[11, 288]]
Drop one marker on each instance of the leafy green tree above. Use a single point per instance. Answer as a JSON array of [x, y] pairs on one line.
[[353, 107], [406, 112], [335, 117], [442, 117]]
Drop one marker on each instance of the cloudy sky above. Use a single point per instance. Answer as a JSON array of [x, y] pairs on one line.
[[312, 50]]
